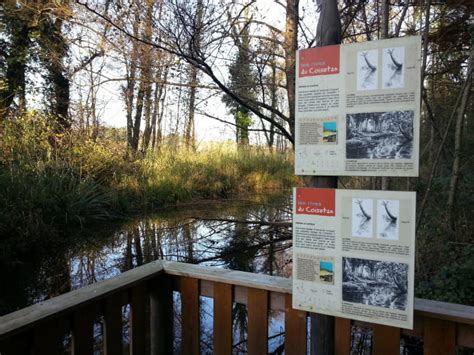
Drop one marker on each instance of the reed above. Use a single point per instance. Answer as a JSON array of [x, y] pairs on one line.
[[49, 180]]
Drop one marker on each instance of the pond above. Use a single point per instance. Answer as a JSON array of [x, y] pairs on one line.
[[248, 234]]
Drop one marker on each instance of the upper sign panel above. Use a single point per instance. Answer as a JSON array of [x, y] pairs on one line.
[[358, 109]]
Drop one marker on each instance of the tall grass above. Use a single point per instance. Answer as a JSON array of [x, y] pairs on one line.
[[220, 171], [49, 180]]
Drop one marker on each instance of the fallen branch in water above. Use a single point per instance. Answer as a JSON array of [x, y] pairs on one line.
[[245, 221]]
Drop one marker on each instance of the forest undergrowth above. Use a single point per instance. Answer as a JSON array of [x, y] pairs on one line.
[[49, 180]]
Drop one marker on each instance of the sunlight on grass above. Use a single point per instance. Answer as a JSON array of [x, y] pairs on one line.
[[49, 179]]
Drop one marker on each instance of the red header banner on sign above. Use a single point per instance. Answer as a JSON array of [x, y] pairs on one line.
[[319, 61], [320, 202]]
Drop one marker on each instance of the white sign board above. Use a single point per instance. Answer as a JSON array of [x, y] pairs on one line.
[[354, 254], [358, 109]]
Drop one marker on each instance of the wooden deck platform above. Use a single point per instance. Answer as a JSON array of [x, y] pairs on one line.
[[68, 320]]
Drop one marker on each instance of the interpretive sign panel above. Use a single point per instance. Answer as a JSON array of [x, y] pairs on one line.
[[354, 254], [358, 109]]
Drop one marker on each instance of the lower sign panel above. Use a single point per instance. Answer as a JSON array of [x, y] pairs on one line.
[[353, 254]]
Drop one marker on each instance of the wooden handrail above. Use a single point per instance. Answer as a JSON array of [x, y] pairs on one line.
[[22, 319], [227, 276], [447, 311], [427, 308]]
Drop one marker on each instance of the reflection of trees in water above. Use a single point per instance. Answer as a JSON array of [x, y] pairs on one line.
[[251, 238], [361, 340]]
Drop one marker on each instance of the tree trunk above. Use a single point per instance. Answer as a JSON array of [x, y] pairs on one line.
[[274, 103], [57, 74], [138, 115], [329, 33], [147, 63], [151, 127], [457, 149], [290, 46], [129, 91], [189, 133], [16, 67]]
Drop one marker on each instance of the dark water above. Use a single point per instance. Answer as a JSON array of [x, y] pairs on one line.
[[208, 233], [226, 234]]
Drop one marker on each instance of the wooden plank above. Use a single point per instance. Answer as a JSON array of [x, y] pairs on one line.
[[449, 311], [465, 335], [417, 331], [278, 301], [190, 314], [83, 330], [113, 326], [17, 344], [27, 317], [295, 329], [206, 288], [386, 340], [342, 344], [161, 316], [257, 321], [442, 310], [222, 318], [439, 337], [322, 334], [241, 294], [49, 337], [137, 320], [240, 278]]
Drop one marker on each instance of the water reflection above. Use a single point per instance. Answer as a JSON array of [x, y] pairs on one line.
[[252, 236], [243, 235]]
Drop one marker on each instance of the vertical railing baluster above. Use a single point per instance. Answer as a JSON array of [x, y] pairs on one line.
[[49, 337], [113, 326], [295, 329], [161, 316], [138, 301], [386, 340], [257, 321], [83, 330], [17, 344], [342, 344], [190, 314], [222, 318], [439, 337]]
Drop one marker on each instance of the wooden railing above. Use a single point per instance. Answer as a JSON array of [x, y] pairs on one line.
[[70, 321]]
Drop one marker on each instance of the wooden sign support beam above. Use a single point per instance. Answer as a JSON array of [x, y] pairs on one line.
[[329, 33]]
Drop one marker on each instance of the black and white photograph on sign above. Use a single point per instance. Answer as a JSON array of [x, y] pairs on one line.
[[375, 283], [379, 135], [362, 217], [388, 212], [367, 62], [393, 68]]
